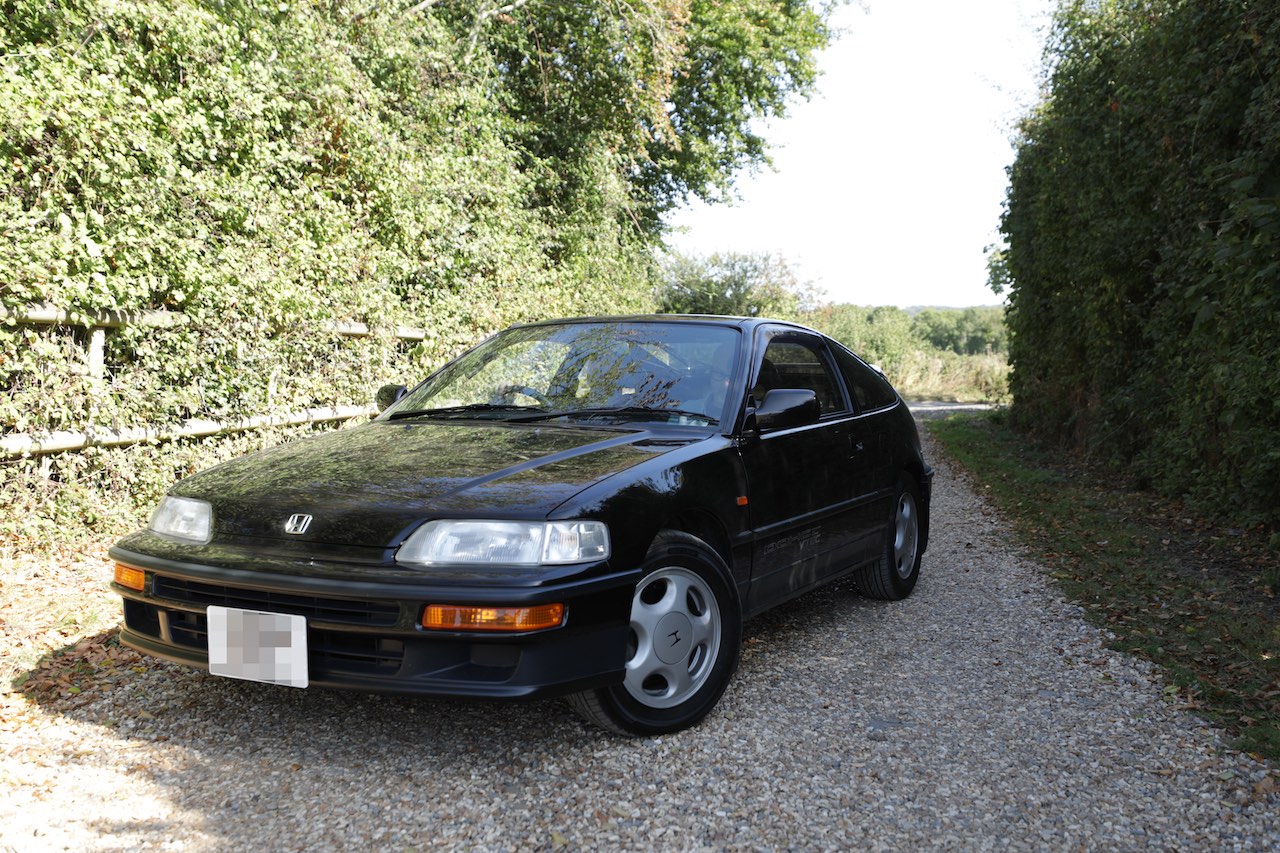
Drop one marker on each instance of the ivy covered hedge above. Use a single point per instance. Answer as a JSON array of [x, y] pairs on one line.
[[271, 169], [1143, 247]]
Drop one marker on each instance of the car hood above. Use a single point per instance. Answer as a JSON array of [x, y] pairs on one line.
[[373, 484]]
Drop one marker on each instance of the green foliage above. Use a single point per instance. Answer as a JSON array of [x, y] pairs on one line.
[[939, 354], [964, 331], [269, 170], [733, 283], [934, 355], [661, 95], [267, 174], [743, 61], [883, 336], [930, 374], [1143, 247]]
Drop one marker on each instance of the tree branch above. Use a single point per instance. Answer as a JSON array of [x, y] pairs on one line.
[[419, 7], [505, 10]]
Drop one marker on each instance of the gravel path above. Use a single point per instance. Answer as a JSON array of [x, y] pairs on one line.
[[981, 713]]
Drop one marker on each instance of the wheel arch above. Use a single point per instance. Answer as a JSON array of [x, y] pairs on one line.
[[705, 525], [921, 476]]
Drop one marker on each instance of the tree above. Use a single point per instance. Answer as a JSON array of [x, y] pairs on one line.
[[743, 61], [964, 331], [883, 335], [656, 97], [747, 285]]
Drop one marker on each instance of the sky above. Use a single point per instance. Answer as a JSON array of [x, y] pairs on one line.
[[889, 182]]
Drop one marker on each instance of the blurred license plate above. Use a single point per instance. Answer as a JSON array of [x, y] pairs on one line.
[[258, 646]]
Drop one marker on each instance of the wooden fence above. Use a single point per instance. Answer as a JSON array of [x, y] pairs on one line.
[[16, 445]]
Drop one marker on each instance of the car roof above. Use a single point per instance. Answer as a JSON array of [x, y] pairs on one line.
[[745, 323]]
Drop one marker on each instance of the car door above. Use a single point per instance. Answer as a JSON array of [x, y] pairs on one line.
[[798, 477], [873, 471]]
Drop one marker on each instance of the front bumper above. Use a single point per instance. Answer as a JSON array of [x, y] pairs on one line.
[[365, 634]]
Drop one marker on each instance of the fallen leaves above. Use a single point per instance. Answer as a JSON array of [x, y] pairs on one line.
[[1265, 787], [58, 619], [80, 671], [49, 601]]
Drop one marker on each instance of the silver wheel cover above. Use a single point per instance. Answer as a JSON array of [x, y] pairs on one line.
[[675, 637], [906, 536]]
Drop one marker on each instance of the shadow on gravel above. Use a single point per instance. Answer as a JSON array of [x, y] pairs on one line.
[[221, 751], [98, 680], [100, 670]]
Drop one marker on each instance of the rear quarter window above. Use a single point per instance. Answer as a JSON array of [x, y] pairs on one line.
[[870, 390]]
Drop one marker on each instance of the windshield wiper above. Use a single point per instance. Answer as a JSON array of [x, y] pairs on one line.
[[462, 411], [636, 412]]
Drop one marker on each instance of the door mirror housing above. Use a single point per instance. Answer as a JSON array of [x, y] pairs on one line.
[[787, 407], [388, 395]]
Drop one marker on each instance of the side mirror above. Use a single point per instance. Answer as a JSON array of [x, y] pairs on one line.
[[787, 407], [388, 395]]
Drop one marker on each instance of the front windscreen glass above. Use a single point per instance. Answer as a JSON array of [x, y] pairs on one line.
[[667, 372]]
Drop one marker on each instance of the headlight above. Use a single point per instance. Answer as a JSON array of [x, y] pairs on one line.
[[507, 543], [183, 518]]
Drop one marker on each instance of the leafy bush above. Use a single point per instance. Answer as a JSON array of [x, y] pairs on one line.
[[269, 170], [1143, 237], [929, 374], [266, 175], [883, 336]]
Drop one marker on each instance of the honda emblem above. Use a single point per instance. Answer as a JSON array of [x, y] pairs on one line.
[[297, 524]]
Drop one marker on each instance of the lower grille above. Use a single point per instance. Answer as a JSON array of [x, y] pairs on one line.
[[327, 651], [313, 607]]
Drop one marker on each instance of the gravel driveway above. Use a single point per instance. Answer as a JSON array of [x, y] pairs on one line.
[[981, 713]]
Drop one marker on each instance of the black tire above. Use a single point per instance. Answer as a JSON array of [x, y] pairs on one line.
[[894, 575], [685, 600]]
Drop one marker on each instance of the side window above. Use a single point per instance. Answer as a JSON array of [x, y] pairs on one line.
[[870, 390], [795, 362]]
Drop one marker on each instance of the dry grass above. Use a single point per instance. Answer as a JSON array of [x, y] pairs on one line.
[[937, 375]]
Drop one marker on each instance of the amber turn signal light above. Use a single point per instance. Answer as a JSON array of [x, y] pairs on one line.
[[128, 576], [453, 617]]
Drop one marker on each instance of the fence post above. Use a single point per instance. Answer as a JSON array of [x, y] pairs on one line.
[[17, 445], [97, 352]]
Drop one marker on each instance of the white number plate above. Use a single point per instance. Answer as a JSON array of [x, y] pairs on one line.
[[258, 646]]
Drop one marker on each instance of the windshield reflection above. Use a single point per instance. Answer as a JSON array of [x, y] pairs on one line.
[[670, 372]]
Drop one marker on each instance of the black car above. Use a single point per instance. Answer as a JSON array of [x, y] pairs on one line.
[[587, 507]]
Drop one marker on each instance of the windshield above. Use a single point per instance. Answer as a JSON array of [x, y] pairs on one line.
[[672, 372]]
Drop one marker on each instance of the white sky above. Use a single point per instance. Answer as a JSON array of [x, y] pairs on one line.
[[889, 182]]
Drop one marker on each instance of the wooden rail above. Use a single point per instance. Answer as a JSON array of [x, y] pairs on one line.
[[15, 445]]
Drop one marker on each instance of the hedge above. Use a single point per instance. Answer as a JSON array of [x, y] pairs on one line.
[[1143, 248], [268, 171]]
